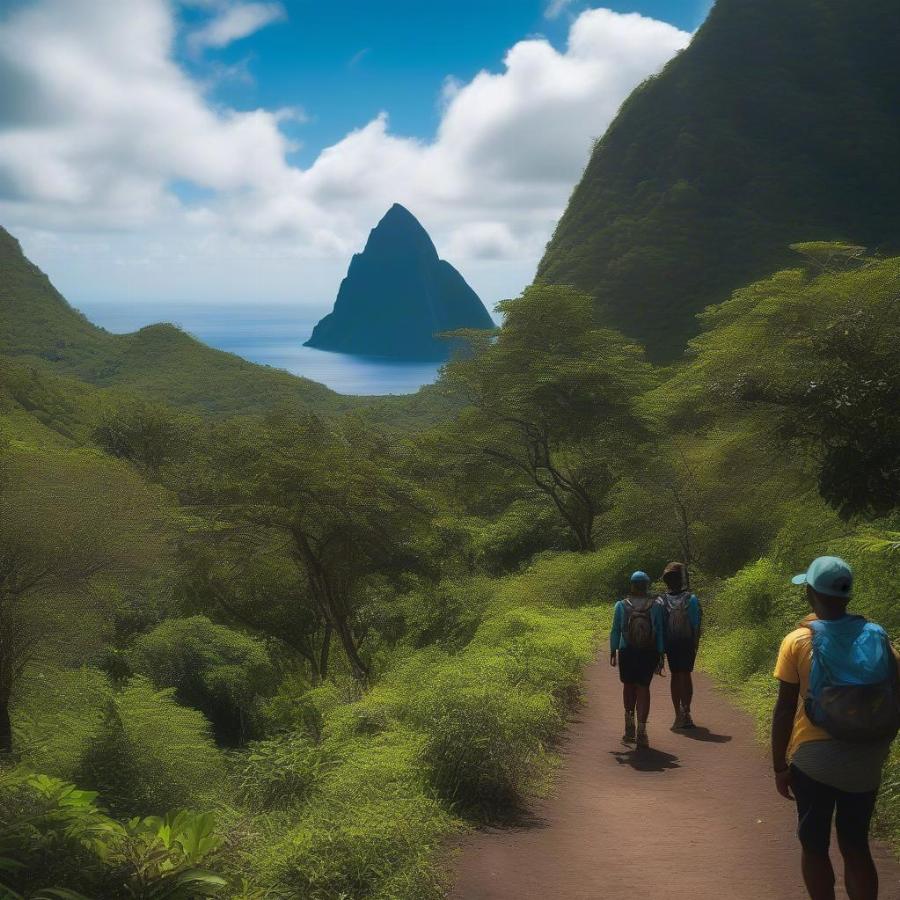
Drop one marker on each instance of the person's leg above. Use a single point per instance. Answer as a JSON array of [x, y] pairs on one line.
[[643, 712], [629, 698], [687, 697], [643, 703], [818, 875], [815, 809], [675, 685], [853, 819]]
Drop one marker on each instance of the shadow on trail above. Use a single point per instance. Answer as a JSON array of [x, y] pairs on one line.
[[649, 760], [699, 733]]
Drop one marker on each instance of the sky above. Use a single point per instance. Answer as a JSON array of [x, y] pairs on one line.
[[214, 152]]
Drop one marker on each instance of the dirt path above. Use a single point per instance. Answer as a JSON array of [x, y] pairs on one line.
[[695, 817]]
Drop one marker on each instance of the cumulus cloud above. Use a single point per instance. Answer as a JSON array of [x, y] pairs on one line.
[[101, 125], [234, 22]]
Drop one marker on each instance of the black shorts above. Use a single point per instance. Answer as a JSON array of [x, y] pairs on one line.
[[638, 666], [682, 655], [817, 804]]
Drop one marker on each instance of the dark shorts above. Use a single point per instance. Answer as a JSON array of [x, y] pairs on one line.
[[681, 655], [818, 804], [638, 666]]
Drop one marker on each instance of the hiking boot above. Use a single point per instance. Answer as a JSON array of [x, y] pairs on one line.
[[686, 720], [641, 738], [629, 736], [679, 721]]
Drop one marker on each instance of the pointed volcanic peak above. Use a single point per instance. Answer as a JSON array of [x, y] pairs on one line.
[[397, 296], [779, 124]]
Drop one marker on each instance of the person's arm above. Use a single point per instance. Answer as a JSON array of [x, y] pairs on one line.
[[695, 611], [660, 613], [615, 635], [782, 727]]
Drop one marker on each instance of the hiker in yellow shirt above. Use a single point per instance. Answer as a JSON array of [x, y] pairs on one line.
[[838, 710]]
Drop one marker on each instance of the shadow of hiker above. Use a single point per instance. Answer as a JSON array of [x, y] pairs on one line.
[[648, 760], [699, 733]]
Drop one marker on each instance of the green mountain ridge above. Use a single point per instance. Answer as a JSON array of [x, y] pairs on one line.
[[777, 125], [159, 362]]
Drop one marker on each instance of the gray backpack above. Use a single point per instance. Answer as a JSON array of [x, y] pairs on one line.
[[679, 625], [639, 630]]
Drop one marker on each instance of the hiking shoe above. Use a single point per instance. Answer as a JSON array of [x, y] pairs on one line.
[[629, 736], [687, 721], [641, 740], [679, 722]]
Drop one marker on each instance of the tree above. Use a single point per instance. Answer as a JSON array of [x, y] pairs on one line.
[[149, 435], [65, 517], [331, 493], [257, 588], [551, 398], [813, 358]]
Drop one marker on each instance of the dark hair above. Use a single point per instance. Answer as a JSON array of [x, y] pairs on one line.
[[674, 575]]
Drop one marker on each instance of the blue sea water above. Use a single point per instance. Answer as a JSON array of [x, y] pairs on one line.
[[272, 336]]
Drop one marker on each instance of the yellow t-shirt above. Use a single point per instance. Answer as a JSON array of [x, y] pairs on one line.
[[793, 666]]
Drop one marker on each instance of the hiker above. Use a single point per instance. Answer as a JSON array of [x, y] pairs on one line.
[[684, 616], [637, 645], [838, 710]]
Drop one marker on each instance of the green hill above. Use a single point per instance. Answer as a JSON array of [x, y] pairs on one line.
[[778, 124], [159, 362]]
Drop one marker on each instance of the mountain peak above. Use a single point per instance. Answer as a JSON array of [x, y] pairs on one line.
[[399, 232], [398, 294]]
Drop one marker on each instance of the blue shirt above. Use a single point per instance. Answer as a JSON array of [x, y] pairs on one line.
[[617, 639]]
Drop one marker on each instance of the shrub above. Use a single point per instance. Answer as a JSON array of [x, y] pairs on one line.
[[137, 744], [370, 831], [278, 772], [212, 668]]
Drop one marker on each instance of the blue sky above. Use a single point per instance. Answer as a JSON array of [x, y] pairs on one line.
[[156, 153], [343, 62]]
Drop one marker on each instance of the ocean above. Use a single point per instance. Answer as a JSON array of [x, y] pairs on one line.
[[273, 336]]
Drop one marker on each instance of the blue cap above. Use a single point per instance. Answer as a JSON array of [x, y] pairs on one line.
[[828, 575], [640, 576]]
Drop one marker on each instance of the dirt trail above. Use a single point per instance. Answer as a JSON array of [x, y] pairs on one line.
[[694, 817]]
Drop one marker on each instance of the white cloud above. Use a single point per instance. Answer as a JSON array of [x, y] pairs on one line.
[[234, 22], [99, 122]]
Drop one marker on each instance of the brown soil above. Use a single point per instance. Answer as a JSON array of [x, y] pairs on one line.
[[694, 817]]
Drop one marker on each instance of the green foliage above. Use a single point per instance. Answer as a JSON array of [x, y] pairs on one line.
[[142, 751], [58, 831], [147, 434], [484, 745], [714, 167], [551, 401], [221, 672], [813, 360], [279, 772]]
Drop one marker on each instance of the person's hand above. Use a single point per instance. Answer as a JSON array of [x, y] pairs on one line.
[[613, 658], [783, 784]]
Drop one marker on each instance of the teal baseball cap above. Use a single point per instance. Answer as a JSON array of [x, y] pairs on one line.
[[640, 576], [828, 575]]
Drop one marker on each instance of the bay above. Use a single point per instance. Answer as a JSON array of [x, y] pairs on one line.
[[272, 336]]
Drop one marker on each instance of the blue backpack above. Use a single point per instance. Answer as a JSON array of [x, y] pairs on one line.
[[854, 687]]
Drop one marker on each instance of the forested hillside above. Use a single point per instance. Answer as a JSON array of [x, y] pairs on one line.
[[311, 649], [778, 124], [159, 362]]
